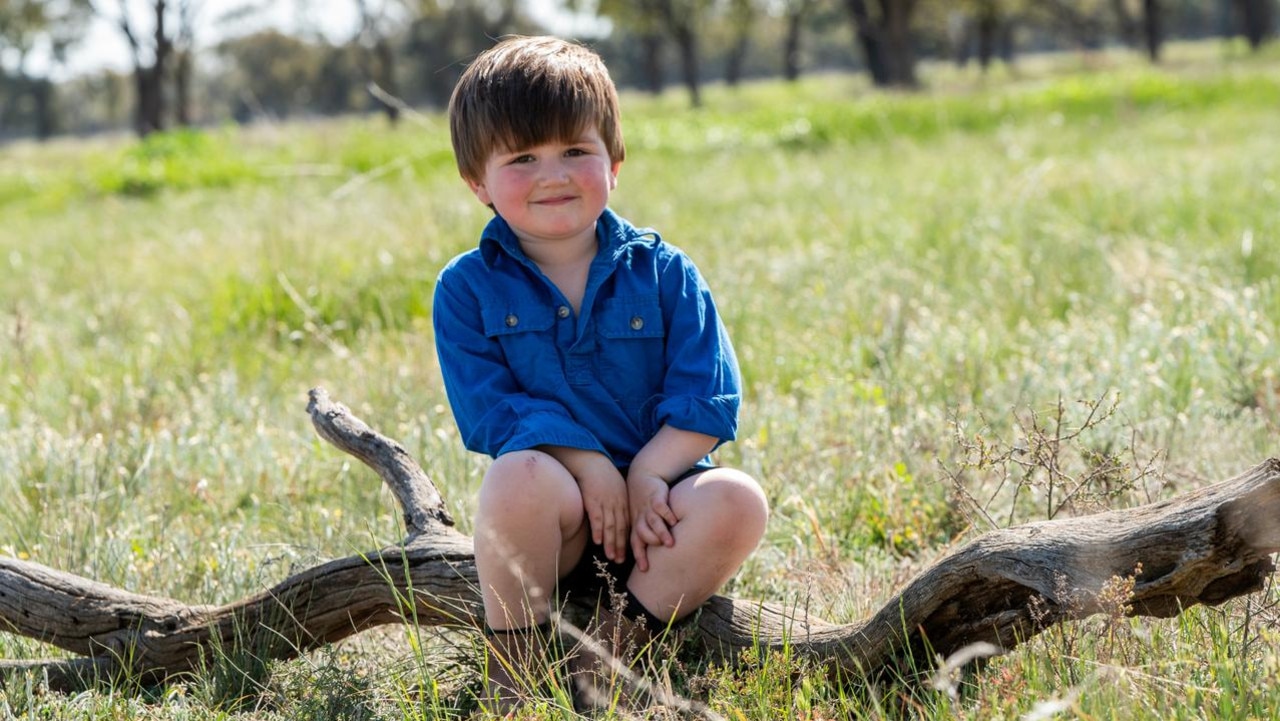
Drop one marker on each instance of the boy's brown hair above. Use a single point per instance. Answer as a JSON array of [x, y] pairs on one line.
[[526, 91]]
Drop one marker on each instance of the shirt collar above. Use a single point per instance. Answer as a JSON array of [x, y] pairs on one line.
[[612, 231]]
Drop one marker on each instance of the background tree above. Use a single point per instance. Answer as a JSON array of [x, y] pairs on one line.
[[679, 20], [1138, 24], [377, 24], [1256, 20], [883, 29], [274, 75], [29, 27], [441, 37], [102, 102], [152, 50], [740, 18], [184, 56], [635, 48], [795, 14], [1084, 22], [981, 29], [1152, 28]]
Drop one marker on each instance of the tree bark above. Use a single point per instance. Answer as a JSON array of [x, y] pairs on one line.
[[869, 39], [687, 45], [43, 93], [791, 42], [651, 51], [148, 80], [988, 27], [735, 60], [885, 39], [1152, 29], [1006, 586], [1256, 21]]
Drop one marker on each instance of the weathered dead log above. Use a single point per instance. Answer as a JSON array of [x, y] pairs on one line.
[[1003, 588]]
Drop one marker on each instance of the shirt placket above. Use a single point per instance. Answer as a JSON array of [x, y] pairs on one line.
[[580, 357]]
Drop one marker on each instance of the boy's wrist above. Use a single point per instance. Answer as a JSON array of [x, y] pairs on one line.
[[580, 462]]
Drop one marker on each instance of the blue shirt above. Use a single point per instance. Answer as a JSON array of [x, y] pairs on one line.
[[647, 348]]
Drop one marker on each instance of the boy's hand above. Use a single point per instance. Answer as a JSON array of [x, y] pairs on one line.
[[604, 498], [651, 515]]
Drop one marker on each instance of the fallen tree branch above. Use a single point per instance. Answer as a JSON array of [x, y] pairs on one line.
[[1003, 588]]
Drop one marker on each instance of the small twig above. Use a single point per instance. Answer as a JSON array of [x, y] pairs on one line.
[[386, 98], [360, 180], [313, 322]]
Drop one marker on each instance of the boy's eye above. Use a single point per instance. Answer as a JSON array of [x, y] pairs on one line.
[[526, 158], [575, 152]]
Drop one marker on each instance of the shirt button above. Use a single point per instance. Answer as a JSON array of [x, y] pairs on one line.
[[637, 323], [563, 311], [512, 321]]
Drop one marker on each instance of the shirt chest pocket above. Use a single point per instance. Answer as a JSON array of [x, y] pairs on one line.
[[631, 356], [525, 333]]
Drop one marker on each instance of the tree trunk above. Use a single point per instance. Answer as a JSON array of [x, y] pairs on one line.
[[1006, 586], [791, 44], [46, 117], [1006, 44], [687, 43], [385, 77], [1256, 21], [901, 53], [736, 59], [651, 49], [182, 71], [1152, 33], [1125, 24], [149, 111], [869, 40], [886, 41], [148, 81], [988, 32]]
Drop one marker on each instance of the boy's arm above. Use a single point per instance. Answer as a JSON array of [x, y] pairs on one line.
[[668, 454], [702, 386], [604, 496]]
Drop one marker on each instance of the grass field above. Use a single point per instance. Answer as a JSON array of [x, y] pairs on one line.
[[904, 276]]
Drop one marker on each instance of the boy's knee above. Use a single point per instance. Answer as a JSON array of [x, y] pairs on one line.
[[530, 475], [738, 499]]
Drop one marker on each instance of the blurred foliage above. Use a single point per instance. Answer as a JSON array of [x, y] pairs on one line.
[[915, 284], [268, 75]]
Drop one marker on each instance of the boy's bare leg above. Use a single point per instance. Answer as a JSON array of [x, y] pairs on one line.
[[721, 516], [529, 523]]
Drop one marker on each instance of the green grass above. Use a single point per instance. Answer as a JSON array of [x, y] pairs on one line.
[[902, 274]]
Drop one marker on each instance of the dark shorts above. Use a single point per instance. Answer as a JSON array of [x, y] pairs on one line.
[[595, 574]]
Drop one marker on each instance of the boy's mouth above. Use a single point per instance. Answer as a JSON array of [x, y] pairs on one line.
[[557, 200]]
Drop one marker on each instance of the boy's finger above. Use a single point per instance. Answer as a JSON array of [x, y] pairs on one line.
[[668, 515], [645, 530], [611, 536], [660, 533], [638, 548], [596, 519]]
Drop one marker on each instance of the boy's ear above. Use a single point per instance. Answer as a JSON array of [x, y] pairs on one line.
[[613, 180], [480, 192]]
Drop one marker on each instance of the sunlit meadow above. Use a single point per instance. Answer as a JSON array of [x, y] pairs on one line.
[[1086, 244]]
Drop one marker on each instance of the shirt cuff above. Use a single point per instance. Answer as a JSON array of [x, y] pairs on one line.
[[716, 416]]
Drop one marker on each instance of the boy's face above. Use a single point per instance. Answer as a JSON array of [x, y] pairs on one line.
[[550, 192]]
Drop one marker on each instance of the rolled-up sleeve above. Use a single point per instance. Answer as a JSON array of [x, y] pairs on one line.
[[493, 412], [702, 388]]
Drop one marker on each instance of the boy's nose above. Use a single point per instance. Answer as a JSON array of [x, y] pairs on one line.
[[554, 172]]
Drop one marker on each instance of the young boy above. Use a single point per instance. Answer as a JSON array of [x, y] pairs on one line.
[[586, 357]]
